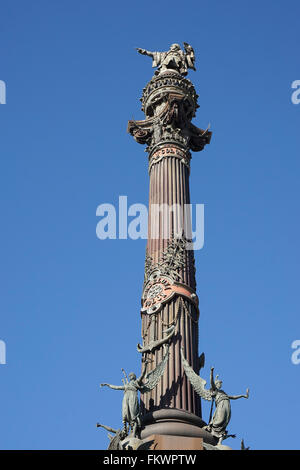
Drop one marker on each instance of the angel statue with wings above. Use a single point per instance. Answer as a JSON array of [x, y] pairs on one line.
[[219, 421], [174, 59], [130, 405]]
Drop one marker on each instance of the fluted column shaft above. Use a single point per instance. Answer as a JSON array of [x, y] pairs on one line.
[[169, 185]]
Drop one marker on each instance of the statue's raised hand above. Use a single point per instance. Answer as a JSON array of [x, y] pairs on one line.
[[143, 51]]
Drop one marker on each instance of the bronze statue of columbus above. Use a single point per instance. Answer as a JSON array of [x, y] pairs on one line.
[[174, 59]]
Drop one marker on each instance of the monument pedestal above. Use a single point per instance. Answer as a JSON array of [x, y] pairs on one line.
[[175, 424], [168, 442]]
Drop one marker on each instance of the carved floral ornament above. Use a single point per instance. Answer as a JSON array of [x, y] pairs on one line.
[[171, 261]]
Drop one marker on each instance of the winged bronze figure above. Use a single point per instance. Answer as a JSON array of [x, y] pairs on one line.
[[130, 405], [115, 440], [219, 421]]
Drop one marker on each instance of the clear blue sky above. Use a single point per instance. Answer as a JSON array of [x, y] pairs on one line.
[[69, 302]]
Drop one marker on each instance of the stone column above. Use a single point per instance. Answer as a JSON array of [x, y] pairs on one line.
[[170, 310]]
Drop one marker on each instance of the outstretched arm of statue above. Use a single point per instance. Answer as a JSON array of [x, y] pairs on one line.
[[113, 387], [107, 428], [236, 397], [144, 52]]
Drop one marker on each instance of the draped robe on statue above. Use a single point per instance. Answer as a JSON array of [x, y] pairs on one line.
[[170, 60]]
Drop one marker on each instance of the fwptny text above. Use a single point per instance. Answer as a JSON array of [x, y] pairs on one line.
[[151, 459]]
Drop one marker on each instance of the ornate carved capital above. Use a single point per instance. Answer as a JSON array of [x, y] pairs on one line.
[[169, 102]]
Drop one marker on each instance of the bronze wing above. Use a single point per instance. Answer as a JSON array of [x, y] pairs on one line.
[[154, 376], [196, 381]]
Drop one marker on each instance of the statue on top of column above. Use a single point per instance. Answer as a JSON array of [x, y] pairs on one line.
[[175, 59]]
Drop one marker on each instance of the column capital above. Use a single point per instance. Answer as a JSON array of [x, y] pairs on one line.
[[169, 102]]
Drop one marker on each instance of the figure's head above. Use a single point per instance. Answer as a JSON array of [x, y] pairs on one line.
[[175, 47], [218, 383], [132, 376]]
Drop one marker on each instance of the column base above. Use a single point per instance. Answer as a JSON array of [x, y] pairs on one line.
[[176, 423], [167, 442]]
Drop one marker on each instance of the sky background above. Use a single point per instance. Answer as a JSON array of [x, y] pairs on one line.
[[70, 302]]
